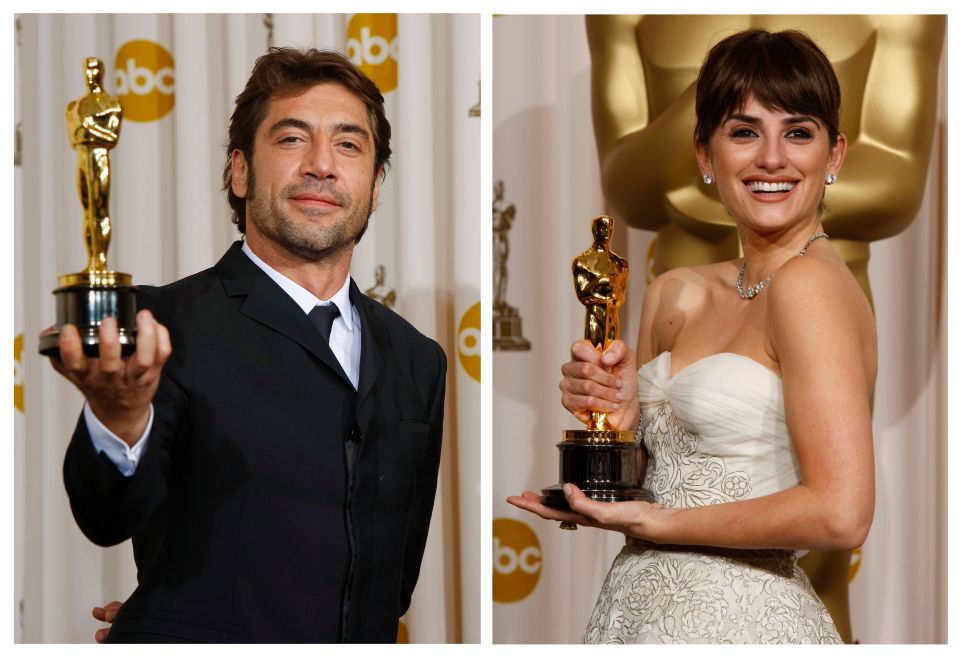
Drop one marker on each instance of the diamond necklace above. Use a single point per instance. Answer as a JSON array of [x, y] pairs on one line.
[[753, 290]]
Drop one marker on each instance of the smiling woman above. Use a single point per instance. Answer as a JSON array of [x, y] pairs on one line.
[[771, 167], [753, 404], [768, 112]]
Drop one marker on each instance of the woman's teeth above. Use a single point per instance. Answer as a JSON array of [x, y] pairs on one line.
[[769, 187]]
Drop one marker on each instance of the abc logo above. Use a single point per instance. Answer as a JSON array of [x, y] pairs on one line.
[[516, 560], [468, 341], [144, 77], [18, 372], [651, 268], [372, 45]]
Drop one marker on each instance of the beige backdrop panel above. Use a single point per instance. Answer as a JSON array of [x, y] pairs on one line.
[[544, 153]]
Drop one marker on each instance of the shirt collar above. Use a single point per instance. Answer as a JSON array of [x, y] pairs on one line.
[[305, 299]]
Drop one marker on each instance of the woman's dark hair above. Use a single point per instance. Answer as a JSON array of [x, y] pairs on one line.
[[783, 70], [286, 72]]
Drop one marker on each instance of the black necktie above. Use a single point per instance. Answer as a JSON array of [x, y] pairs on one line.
[[322, 317]]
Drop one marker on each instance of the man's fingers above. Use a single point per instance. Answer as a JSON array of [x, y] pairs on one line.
[[146, 353], [164, 349], [59, 367], [118, 391], [101, 635], [71, 350], [110, 360], [111, 611], [107, 613], [153, 348]]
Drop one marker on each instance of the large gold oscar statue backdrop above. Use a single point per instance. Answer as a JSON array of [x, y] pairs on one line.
[[644, 71]]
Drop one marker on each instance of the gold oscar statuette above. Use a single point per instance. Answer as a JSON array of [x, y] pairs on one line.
[[507, 323], [86, 298], [599, 460], [380, 292]]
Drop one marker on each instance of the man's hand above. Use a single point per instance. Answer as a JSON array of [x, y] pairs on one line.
[[119, 391], [106, 614], [601, 382]]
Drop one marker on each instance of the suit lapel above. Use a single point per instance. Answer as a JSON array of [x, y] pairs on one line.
[[373, 349], [268, 304]]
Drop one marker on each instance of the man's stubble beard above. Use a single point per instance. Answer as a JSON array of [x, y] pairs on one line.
[[308, 241]]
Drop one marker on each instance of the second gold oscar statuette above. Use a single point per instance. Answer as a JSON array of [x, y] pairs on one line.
[[599, 459]]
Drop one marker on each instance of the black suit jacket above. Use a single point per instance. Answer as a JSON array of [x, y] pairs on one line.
[[273, 503]]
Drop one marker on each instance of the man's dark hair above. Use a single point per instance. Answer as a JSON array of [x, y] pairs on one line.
[[286, 72], [784, 70]]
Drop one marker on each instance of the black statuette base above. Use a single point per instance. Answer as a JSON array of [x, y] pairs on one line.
[[85, 306], [604, 472]]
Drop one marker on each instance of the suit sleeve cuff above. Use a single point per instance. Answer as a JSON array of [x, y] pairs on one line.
[[123, 456]]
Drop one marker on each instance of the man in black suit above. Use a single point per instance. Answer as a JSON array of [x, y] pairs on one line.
[[272, 446]]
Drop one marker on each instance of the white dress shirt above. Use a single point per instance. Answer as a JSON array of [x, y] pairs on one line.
[[344, 342]]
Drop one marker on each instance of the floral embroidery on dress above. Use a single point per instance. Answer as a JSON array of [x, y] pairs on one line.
[[679, 597], [678, 474]]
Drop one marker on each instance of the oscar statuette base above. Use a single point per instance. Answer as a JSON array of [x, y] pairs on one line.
[[84, 300], [508, 334], [602, 463]]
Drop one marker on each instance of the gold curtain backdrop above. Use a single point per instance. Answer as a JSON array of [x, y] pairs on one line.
[[545, 581], [177, 76]]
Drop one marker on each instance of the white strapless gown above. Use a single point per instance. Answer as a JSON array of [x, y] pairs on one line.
[[714, 433]]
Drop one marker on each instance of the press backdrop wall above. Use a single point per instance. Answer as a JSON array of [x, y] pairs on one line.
[[546, 580], [177, 76]]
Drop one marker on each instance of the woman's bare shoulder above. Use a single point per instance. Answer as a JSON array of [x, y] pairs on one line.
[[684, 286], [815, 300], [675, 296], [821, 279], [698, 277]]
